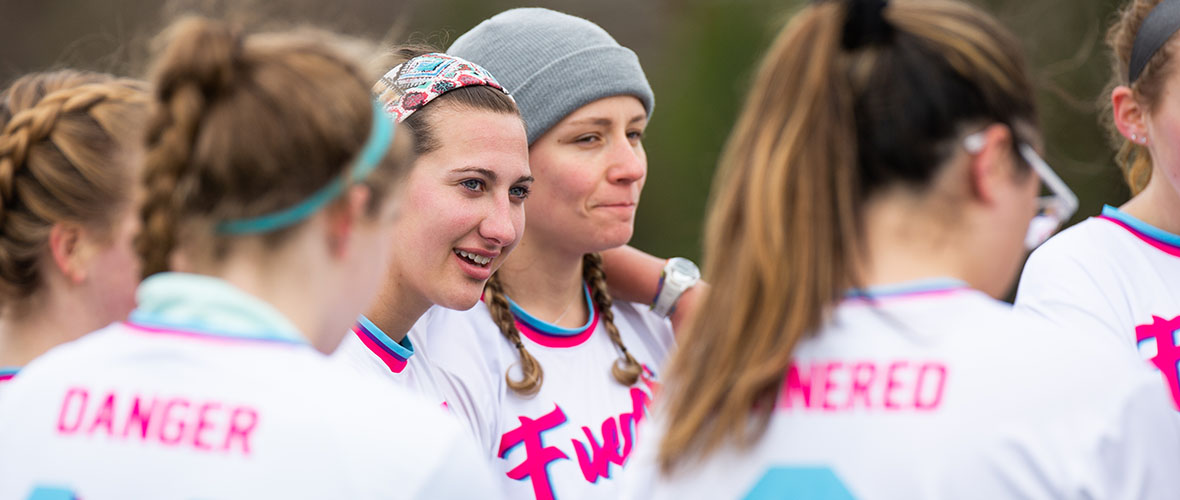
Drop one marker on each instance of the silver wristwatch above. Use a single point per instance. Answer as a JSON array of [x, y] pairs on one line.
[[679, 275]]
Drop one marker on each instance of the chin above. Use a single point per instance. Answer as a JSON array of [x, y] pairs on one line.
[[463, 300]]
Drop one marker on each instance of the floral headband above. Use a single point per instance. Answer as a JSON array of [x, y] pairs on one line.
[[422, 79]]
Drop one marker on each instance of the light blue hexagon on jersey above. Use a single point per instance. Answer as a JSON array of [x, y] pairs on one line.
[[799, 483]]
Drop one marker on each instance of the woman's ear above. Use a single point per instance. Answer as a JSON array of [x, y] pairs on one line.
[[990, 169], [343, 217], [1130, 116], [67, 247]]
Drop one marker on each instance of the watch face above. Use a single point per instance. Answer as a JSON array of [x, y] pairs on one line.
[[684, 267]]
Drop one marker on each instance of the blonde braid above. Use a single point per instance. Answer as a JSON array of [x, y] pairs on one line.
[[531, 373], [62, 138], [625, 369]]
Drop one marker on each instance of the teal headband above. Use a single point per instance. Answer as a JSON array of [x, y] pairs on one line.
[[380, 137]]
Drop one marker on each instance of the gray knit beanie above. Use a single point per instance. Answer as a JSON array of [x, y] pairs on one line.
[[553, 64]]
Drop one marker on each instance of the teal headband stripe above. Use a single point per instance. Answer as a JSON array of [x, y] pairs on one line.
[[380, 137]]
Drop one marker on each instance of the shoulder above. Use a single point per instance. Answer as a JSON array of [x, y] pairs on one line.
[[1050, 366], [639, 319]]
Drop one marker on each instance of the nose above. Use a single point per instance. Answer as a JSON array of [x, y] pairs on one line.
[[498, 226], [628, 162]]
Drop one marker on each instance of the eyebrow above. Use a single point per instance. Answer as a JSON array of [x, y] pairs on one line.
[[491, 175], [604, 122]]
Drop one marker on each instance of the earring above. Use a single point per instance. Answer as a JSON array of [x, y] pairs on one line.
[[1134, 138]]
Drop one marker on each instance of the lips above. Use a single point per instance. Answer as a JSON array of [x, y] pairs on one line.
[[477, 264]]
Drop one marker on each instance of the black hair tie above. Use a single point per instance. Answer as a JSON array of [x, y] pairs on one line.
[[865, 24], [1160, 25]]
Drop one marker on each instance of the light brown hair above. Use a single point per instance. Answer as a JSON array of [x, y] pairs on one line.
[[247, 124], [1132, 158], [68, 140], [625, 369], [833, 117]]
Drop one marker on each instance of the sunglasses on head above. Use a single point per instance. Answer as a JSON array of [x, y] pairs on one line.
[[1052, 210]]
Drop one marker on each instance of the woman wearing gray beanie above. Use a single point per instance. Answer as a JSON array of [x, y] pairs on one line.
[[548, 346]]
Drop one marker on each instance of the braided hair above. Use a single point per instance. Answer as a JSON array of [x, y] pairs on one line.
[[243, 125], [67, 144], [626, 369]]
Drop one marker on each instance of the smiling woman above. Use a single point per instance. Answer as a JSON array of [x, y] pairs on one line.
[[462, 210]]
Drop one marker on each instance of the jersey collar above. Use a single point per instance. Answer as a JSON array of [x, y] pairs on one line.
[[209, 306], [1154, 236], [922, 288]]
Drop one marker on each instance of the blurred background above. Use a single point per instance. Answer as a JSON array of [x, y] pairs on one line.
[[698, 55]]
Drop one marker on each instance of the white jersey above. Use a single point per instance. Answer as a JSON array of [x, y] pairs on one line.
[[369, 350], [164, 408], [1115, 277], [931, 392], [6, 375], [571, 439]]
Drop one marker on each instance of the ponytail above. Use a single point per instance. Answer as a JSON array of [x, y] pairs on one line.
[[853, 96]]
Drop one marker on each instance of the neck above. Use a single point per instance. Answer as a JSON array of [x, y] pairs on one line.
[[1158, 204], [301, 297], [546, 282], [396, 308], [49, 320], [905, 242]]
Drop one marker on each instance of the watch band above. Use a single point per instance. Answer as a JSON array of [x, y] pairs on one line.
[[678, 276]]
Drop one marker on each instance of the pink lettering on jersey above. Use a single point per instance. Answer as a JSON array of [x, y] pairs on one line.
[[173, 422], [596, 462], [862, 379], [893, 383], [106, 414], [1167, 352], [204, 423], [594, 459], [77, 396], [537, 456], [828, 386], [835, 386], [139, 417], [168, 418], [796, 385], [935, 396], [241, 424]]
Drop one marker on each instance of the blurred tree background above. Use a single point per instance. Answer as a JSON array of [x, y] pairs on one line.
[[698, 55]]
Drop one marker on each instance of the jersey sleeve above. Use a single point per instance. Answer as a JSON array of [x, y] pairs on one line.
[[1056, 287]]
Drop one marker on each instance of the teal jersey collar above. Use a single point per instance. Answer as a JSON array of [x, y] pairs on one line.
[[210, 306]]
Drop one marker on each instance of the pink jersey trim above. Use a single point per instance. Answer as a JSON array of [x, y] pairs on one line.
[[208, 336], [557, 341], [395, 363], [1166, 248]]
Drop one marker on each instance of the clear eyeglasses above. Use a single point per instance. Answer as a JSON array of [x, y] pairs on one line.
[[1052, 210]]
